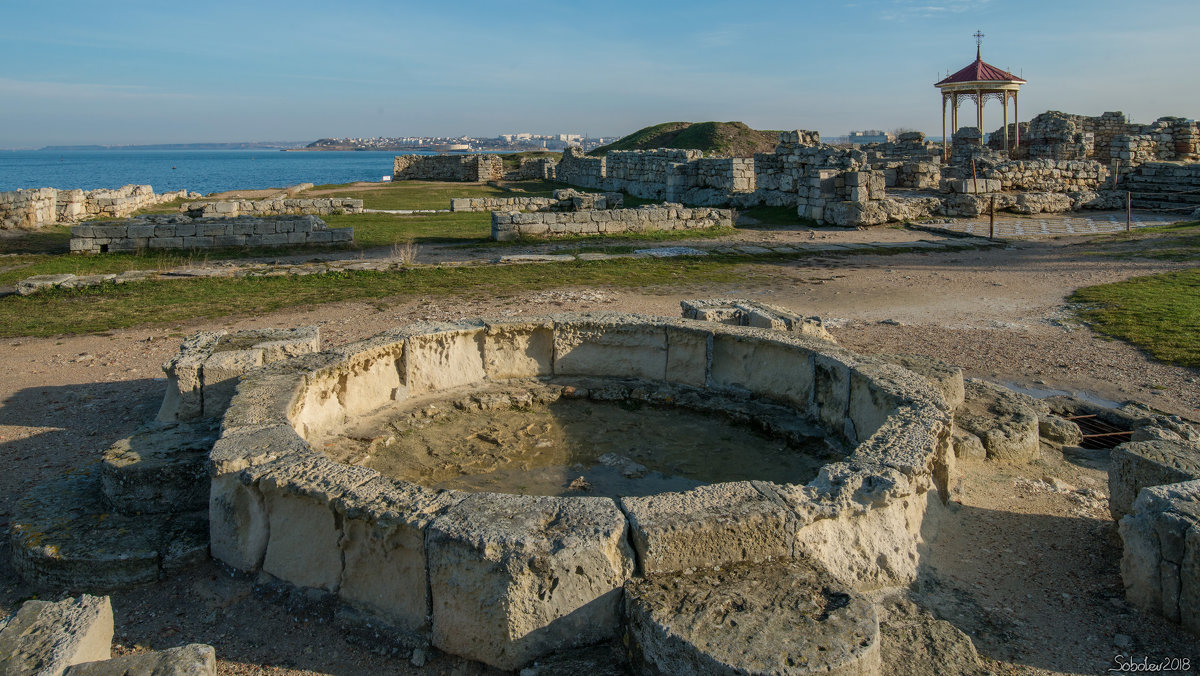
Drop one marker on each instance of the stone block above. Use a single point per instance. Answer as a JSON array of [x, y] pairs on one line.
[[166, 243], [514, 578], [444, 359], [220, 373], [45, 638], [710, 525], [194, 659], [687, 356], [383, 544], [615, 349], [1141, 464], [303, 530], [371, 379], [783, 617], [778, 370], [161, 468], [518, 350]]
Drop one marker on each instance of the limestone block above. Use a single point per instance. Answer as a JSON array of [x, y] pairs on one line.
[[304, 533], [36, 283], [237, 519], [831, 392], [220, 373], [687, 356], [44, 638], [518, 350], [967, 446], [517, 577], [610, 348], [709, 525], [161, 468], [1141, 464], [764, 366], [444, 359], [1005, 421], [194, 659], [778, 618], [1059, 431], [383, 544], [372, 378], [945, 378]]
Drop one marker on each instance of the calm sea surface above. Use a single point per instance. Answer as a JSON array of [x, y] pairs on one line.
[[203, 171]]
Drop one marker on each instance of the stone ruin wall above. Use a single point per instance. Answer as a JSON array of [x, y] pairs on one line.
[[181, 232], [507, 226], [562, 200], [33, 209], [457, 168], [1107, 138], [577, 168], [273, 207], [536, 168]]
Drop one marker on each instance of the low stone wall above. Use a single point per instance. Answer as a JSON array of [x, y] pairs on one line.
[[1160, 564], [466, 168], [577, 168], [510, 225], [536, 168], [32, 209], [1168, 186], [505, 579], [321, 206], [1048, 175], [182, 232], [562, 200]]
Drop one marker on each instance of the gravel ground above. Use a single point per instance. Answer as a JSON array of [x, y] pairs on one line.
[[1030, 571]]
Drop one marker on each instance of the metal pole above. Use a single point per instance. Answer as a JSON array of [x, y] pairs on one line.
[[992, 219], [1128, 212]]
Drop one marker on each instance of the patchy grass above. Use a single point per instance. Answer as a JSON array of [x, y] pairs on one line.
[[429, 194], [1158, 313], [371, 230], [1176, 242], [63, 311]]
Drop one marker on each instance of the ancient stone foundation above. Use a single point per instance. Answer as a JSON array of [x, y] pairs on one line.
[[506, 579], [510, 225], [563, 200], [272, 207], [183, 232], [32, 209], [467, 168]]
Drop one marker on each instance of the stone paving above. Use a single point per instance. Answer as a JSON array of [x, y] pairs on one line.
[[1049, 225]]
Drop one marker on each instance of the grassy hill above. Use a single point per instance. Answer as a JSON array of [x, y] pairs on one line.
[[716, 139]]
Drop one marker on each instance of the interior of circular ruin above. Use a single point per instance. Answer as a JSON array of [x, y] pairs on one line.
[[568, 437]]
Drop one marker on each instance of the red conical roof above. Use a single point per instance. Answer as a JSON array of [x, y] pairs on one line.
[[979, 71]]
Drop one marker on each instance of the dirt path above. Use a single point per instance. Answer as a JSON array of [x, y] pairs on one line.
[[999, 313]]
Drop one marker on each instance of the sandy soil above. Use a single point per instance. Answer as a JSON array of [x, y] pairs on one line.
[[1029, 571]]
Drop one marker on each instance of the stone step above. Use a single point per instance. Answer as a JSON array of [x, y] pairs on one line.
[[63, 534], [779, 617], [161, 469]]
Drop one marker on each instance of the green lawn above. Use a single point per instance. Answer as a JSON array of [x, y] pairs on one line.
[[430, 195], [1158, 313]]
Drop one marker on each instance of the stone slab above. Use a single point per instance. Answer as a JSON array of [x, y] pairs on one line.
[[194, 659], [44, 638]]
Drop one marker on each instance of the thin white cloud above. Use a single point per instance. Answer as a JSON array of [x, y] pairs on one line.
[[85, 91]]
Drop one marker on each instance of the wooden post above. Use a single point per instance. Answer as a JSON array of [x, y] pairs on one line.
[[992, 219], [974, 178], [1128, 212]]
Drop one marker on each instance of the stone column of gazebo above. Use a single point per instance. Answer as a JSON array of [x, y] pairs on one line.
[[978, 82]]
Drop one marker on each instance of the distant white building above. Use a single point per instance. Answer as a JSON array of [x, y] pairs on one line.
[[869, 136]]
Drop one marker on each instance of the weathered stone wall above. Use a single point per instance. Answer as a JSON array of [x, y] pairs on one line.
[[1109, 137], [426, 561], [1169, 186], [646, 173], [1160, 563], [563, 200], [465, 168], [32, 209], [513, 225], [273, 207], [181, 232], [577, 168], [1048, 175], [536, 168]]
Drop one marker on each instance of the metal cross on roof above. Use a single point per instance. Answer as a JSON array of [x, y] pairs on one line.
[[978, 42]]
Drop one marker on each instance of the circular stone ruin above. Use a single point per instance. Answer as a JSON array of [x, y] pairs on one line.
[[508, 577]]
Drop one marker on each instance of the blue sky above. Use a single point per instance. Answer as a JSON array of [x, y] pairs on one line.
[[154, 72]]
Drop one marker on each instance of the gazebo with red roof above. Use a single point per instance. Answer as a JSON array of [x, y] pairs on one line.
[[979, 82]]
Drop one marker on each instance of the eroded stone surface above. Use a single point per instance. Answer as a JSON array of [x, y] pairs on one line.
[[44, 638], [782, 617], [161, 468], [915, 643], [1005, 421], [1139, 464], [515, 577], [194, 659]]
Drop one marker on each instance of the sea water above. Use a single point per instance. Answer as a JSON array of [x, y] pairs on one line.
[[203, 171]]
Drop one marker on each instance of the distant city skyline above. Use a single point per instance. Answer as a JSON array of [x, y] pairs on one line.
[[139, 72]]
